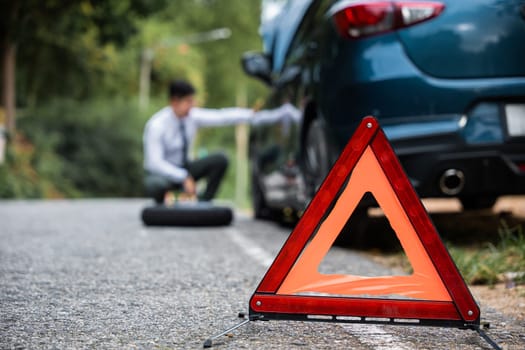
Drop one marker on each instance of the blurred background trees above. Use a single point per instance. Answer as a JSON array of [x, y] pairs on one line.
[[73, 102]]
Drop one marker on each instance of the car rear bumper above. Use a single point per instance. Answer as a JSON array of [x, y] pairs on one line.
[[473, 152], [466, 172]]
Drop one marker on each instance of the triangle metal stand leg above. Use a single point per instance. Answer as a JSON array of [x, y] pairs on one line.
[[209, 342], [484, 335]]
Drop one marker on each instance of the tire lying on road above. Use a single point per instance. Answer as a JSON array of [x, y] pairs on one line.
[[187, 214]]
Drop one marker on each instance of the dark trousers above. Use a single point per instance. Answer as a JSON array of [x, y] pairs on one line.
[[211, 168]]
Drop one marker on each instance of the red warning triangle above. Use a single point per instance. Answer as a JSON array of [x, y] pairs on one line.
[[434, 294]]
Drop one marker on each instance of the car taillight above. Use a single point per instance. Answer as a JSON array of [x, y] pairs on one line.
[[356, 19]]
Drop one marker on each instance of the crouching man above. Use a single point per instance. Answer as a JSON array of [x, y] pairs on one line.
[[168, 136]]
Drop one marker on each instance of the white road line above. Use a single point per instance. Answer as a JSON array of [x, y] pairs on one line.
[[250, 248], [371, 335]]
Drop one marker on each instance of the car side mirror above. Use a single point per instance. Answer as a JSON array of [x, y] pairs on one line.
[[257, 65]]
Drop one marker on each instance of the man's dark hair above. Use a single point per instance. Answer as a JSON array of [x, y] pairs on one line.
[[180, 88]]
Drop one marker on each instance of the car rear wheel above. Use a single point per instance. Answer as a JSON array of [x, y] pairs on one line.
[[261, 211], [316, 163], [316, 166]]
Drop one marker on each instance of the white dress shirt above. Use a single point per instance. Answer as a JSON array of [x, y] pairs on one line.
[[163, 143]]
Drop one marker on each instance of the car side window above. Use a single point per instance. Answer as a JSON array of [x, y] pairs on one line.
[[307, 34]]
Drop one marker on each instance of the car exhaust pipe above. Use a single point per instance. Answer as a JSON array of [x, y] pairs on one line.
[[452, 182]]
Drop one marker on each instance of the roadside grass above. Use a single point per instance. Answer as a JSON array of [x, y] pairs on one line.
[[488, 263], [503, 261]]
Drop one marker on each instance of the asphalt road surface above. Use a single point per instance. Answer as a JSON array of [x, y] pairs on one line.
[[87, 274]]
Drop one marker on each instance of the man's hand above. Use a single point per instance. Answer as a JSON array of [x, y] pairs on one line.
[[189, 187], [259, 103]]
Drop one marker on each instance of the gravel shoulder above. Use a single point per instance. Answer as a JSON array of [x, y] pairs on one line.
[[506, 298]]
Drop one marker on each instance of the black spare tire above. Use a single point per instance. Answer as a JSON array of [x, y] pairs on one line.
[[187, 214]]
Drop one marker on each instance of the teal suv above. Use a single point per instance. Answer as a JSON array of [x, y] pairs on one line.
[[445, 79]]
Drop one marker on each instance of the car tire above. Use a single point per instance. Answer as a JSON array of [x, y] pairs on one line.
[[317, 162], [261, 211], [187, 214], [477, 202], [316, 157]]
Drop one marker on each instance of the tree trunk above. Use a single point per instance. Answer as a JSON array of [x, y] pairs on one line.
[[8, 85], [241, 150]]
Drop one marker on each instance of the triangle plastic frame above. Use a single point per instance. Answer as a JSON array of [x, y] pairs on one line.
[[269, 301]]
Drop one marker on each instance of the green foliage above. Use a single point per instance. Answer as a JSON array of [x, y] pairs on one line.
[[218, 62], [82, 49], [222, 91], [67, 48], [29, 171], [95, 146], [77, 74], [486, 266]]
